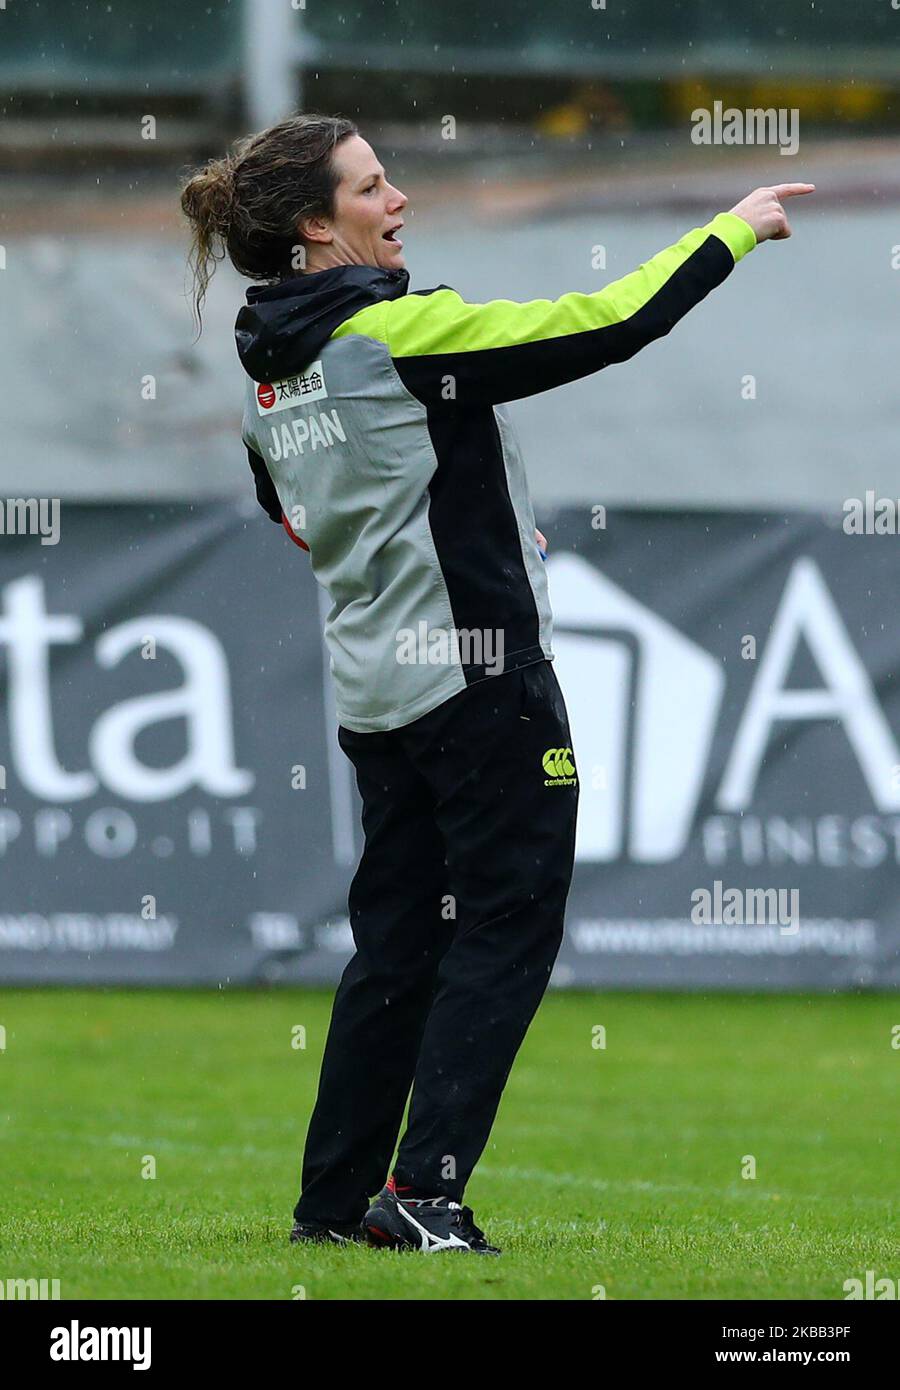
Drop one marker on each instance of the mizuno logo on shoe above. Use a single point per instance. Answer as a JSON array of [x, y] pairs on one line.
[[428, 1241]]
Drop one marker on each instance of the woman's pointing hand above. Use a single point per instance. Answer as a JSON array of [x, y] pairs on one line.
[[762, 209]]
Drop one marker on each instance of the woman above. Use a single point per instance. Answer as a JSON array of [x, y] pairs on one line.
[[375, 432]]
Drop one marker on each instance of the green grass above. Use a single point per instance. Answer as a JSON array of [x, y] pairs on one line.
[[618, 1167]]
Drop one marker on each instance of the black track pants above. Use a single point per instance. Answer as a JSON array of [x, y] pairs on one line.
[[457, 914]]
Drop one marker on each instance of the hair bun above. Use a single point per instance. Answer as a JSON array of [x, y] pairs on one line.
[[208, 198]]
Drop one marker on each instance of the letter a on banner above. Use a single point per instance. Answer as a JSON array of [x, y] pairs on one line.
[[808, 611]]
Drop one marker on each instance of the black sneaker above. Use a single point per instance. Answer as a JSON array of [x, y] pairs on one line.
[[348, 1233], [423, 1223]]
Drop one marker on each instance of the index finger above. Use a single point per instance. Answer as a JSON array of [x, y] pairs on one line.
[[789, 190]]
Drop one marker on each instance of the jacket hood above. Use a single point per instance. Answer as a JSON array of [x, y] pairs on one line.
[[283, 327]]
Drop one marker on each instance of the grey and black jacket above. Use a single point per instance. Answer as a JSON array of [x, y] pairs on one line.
[[374, 426]]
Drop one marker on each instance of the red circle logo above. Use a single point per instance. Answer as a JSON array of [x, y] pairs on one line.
[[265, 394]]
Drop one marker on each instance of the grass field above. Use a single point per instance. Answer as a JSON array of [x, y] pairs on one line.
[[618, 1167]]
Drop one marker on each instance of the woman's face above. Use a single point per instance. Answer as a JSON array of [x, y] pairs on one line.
[[367, 210]]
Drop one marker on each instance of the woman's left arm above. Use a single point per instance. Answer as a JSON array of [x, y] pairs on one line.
[[448, 352]]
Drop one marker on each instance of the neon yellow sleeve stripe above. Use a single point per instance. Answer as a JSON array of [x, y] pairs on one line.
[[442, 322], [737, 234]]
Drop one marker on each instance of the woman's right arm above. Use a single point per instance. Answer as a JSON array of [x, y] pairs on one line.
[[447, 351]]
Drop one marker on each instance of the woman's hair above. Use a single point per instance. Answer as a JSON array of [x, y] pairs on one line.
[[248, 204]]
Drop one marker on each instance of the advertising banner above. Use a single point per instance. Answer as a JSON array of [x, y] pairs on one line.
[[175, 808]]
